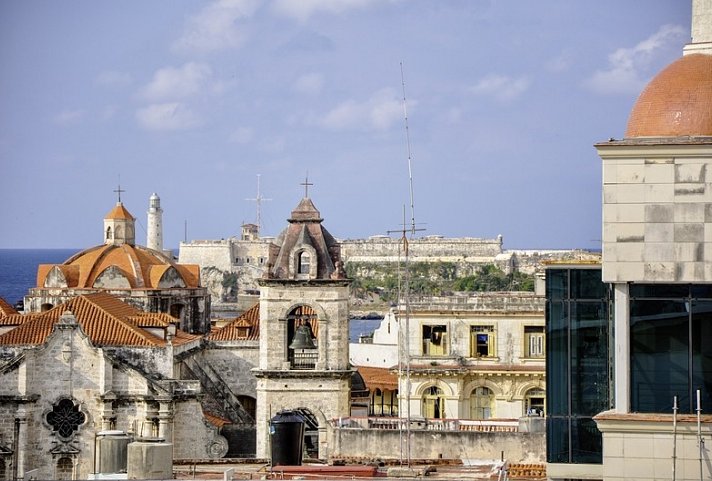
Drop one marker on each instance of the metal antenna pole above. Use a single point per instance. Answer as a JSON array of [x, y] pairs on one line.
[[700, 441], [258, 199], [404, 296], [674, 435], [407, 139]]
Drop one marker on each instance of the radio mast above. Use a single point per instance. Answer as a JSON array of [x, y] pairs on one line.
[[258, 200]]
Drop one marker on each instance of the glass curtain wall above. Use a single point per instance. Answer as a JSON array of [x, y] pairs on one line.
[[670, 347], [577, 363]]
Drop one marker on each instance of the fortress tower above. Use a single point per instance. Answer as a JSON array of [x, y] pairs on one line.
[[154, 226]]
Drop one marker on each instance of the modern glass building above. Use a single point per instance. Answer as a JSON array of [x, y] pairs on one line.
[[578, 306], [670, 347]]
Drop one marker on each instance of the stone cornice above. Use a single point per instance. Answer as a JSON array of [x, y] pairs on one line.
[[301, 374]]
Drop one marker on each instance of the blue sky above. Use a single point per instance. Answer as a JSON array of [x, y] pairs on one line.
[[194, 100]]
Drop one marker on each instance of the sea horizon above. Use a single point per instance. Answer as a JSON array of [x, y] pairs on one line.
[[18, 269]]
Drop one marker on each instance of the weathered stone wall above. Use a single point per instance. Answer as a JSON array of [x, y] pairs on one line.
[[495, 302], [436, 248], [228, 266], [193, 440], [234, 364], [327, 397], [385, 444]]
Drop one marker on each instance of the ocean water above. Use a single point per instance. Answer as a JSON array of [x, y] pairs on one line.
[[18, 269]]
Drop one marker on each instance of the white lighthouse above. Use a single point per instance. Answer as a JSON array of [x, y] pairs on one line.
[[154, 229]]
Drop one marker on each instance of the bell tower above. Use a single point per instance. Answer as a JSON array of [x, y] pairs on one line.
[[304, 327]]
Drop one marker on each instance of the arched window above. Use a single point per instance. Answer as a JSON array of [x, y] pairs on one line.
[[434, 403], [108, 233], [65, 468], [302, 337], [303, 263], [535, 402], [481, 403]]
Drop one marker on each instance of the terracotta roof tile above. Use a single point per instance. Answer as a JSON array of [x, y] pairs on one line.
[[234, 330], [105, 319], [216, 421], [6, 309], [142, 267], [119, 212], [15, 319], [378, 377]]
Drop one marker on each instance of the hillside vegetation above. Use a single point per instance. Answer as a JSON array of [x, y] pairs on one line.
[[431, 279]]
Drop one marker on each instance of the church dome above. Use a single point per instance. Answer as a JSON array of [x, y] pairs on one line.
[[677, 102], [118, 266]]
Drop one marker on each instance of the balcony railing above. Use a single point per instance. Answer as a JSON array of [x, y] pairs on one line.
[[304, 359]]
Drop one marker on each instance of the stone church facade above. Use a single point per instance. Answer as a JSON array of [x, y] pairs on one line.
[[92, 365]]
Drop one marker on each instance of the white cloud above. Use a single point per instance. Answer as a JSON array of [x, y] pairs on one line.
[[112, 78], [627, 70], [562, 62], [309, 84], [167, 116], [172, 83], [242, 135], [215, 27], [501, 87], [68, 117], [379, 112], [303, 9]]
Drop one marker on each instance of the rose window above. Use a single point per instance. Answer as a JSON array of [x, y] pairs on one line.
[[65, 418]]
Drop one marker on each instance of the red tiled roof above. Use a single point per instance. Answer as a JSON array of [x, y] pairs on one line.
[[141, 266], [119, 212], [6, 309], [216, 421], [16, 319], [232, 331], [378, 377], [105, 319]]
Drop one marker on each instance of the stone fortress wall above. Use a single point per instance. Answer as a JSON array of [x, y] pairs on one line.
[[231, 267]]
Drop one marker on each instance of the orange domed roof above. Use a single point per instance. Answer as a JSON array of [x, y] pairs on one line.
[[123, 266], [677, 102]]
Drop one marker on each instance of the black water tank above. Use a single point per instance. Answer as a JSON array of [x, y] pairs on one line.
[[286, 435]]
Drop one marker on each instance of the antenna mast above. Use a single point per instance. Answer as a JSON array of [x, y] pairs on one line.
[[407, 139], [258, 199], [404, 295]]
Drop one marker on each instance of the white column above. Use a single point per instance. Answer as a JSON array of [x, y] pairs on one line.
[[622, 347]]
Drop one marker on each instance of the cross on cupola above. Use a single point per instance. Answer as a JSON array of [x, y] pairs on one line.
[[306, 185], [119, 191]]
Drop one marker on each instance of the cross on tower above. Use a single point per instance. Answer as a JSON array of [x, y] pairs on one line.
[[306, 185], [119, 191]]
